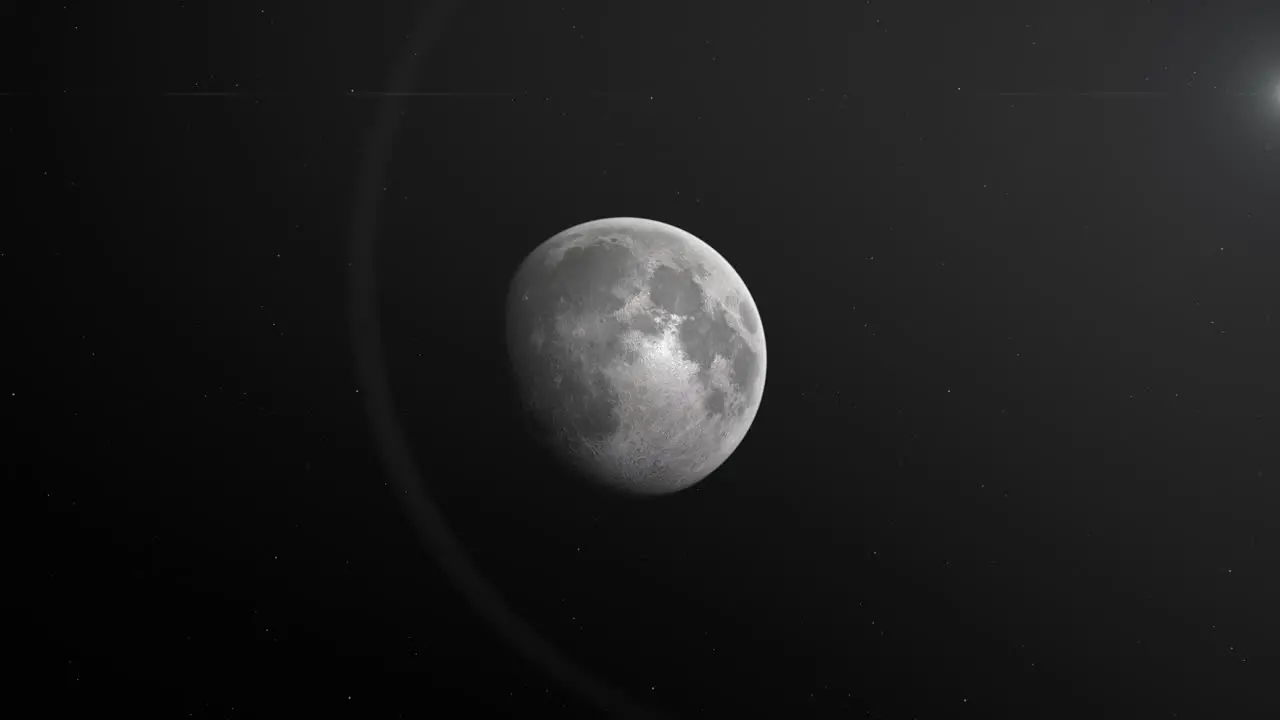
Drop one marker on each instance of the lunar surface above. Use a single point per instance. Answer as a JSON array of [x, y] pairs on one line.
[[638, 353]]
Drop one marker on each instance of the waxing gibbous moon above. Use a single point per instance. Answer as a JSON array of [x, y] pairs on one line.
[[638, 352]]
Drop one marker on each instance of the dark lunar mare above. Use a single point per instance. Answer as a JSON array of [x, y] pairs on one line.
[[703, 334], [675, 291], [581, 404]]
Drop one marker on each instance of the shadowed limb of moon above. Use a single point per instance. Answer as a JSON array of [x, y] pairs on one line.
[[404, 474]]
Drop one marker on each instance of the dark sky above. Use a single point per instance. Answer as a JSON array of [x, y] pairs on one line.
[[1017, 265]]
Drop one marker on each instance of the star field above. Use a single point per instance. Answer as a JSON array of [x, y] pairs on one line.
[[1015, 458]]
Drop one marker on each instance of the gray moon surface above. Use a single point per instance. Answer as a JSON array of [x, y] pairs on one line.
[[638, 353]]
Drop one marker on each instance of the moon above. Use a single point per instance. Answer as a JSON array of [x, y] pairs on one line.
[[638, 353]]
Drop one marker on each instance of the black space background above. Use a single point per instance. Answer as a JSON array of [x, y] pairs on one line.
[[1017, 453]]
